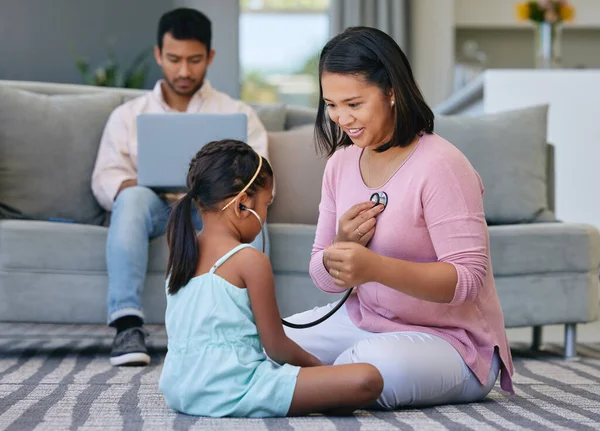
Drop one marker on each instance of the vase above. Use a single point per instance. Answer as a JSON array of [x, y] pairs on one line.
[[548, 46]]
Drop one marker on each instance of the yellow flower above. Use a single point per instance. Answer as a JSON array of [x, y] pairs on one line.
[[522, 11], [566, 12]]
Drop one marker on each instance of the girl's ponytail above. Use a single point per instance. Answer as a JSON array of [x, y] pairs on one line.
[[183, 247]]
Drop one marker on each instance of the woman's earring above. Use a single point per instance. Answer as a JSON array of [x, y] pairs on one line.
[[393, 101]]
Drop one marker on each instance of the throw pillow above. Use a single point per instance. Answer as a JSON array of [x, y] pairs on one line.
[[271, 115], [508, 150], [298, 173], [48, 147]]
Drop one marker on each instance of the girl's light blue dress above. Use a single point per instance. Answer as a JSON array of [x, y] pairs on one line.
[[215, 364]]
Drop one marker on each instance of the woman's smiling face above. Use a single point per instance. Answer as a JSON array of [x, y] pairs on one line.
[[361, 109]]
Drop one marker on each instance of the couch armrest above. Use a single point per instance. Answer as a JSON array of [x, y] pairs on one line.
[[546, 273]]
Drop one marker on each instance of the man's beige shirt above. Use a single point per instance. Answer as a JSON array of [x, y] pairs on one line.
[[117, 154]]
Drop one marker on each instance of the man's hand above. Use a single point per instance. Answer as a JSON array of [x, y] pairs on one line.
[[125, 184], [350, 264]]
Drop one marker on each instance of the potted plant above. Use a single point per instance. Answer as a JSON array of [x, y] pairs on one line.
[[109, 74]]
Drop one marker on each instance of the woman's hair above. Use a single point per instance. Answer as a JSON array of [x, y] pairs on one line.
[[373, 55], [220, 170]]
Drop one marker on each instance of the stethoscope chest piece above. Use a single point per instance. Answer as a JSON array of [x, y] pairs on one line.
[[377, 198], [380, 198]]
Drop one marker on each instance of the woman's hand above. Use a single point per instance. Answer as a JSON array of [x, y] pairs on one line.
[[358, 223], [350, 264]]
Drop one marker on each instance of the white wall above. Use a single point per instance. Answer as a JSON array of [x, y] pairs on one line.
[[573, 129], [432, 47], [509, 43], [501, 14], [224, 73], [37, 36], [513, 48], [438, 28]]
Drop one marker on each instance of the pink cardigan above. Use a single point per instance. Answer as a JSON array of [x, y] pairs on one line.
[[435, 213]]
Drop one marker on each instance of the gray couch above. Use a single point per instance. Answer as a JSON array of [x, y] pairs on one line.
[[54, 271]]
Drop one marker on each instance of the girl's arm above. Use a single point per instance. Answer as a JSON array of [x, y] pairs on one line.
[[258, 277]]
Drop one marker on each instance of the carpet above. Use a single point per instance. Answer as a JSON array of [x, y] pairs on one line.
[[57, 377]]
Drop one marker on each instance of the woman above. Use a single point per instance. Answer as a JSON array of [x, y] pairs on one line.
[[425, 311]]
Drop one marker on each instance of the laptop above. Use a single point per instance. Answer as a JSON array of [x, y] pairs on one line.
[[167, 142]]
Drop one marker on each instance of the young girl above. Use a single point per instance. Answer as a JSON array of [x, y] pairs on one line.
[[221, 308]]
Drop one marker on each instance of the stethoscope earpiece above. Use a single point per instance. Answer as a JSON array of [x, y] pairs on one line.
[[380, 198]]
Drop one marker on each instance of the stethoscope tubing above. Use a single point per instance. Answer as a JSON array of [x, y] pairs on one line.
[[377, 198], [320, 319]]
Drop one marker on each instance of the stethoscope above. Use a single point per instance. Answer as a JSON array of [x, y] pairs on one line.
[[377, 198]]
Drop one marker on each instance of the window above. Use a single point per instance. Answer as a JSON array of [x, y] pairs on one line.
[[280, 42]]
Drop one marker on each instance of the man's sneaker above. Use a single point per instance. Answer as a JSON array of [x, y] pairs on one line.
[[129, 348]]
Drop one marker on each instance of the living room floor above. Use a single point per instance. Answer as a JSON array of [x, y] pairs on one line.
[[58, 377]]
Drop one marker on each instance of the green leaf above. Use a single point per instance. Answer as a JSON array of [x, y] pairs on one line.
[[109, 73]]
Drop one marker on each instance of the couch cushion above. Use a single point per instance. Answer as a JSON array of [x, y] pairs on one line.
[[298, 175], [56, 272], [538, 248], [42, 246], [272, 115], [508, 150], [291, 246], [48, 147], [547, 299], [295, 291], [297, 116], [543, 248]]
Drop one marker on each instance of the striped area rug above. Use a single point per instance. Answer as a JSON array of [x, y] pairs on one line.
[[57, 377]]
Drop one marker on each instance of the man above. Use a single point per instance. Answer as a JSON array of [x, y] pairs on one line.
[[138, 214]]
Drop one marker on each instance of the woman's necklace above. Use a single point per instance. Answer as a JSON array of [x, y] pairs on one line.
[[387, 168]]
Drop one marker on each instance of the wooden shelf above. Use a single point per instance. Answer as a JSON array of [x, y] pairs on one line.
[[499, 14]]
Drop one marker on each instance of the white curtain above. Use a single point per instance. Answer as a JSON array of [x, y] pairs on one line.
[[390, 16]]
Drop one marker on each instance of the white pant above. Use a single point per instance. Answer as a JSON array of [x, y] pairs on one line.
[[418, 369]]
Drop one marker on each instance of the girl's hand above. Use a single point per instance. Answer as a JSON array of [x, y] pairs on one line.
[[358, 223], [350, 264]]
